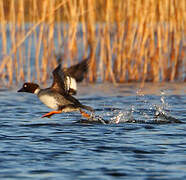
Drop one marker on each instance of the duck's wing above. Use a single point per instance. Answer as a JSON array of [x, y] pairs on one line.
[[60, 81], [79, 70]]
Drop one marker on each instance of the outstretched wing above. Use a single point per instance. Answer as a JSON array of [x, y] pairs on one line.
[[79, 70], [60, 81]]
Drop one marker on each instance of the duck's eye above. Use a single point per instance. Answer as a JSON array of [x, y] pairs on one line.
[[25, 85]]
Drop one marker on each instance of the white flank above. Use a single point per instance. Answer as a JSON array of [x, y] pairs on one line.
[[49, 101]]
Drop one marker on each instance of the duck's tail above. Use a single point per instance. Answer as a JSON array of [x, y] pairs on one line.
[[87, 108]]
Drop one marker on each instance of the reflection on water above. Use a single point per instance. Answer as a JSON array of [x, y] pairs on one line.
[[134, 133]]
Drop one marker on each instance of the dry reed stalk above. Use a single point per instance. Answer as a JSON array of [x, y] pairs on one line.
[[182, 21], [144, 54], [65, 36], [167, 61], [71, 12], [178, 66], [131, 33], [36, 37], [128, 43], [174, 57], [160, 58], [49, 43], [10, 72], [35, 16], [3, 28], [153, 63], [39, 42], [44, 59], [3, 34], [51, 35], [4, 39], [28, 59], [20, 35], [91, 38], [29, 48], [83, 24], [145, 34], [175, 40], [12, 17], [59, 35], [73, 26], [105, 57], [102, 56], [119, 62], [109, 21], [123, 17], [123, 77]]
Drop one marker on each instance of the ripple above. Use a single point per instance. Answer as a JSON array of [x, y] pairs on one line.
[[37, 125], [137, 151], [114, 172], [41, 171]]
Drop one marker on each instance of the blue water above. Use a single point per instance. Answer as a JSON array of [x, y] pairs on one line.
[[134, 134]]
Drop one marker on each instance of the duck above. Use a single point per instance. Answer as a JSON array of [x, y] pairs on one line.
[[58, 96]]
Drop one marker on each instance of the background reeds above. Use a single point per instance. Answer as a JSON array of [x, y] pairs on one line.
[[130, 41]]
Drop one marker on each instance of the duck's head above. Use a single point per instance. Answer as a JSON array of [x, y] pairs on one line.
[[29, 88]]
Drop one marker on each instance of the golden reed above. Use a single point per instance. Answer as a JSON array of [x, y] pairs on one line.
[[130, 41]]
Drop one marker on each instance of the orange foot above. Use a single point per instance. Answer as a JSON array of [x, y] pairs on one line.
[[84, 114], [51, 113]]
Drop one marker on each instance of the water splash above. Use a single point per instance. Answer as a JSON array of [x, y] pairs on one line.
[[145, 112], [162, 109], [142, 111]]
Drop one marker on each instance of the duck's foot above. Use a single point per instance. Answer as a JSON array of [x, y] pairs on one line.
[[84, 114], [51, 113]]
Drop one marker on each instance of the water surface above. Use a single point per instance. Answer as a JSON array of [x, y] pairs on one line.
[[134, 134]]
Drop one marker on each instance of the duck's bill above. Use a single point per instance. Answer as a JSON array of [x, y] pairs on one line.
[[21, 90]]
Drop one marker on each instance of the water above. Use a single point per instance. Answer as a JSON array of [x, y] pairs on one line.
[[134, 134]]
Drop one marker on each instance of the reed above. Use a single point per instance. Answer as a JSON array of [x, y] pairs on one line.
[[130, 41]]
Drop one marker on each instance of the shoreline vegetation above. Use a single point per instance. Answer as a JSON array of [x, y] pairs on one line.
[[129, 41]]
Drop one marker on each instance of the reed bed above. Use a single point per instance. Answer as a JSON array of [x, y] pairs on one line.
[[128, 41]]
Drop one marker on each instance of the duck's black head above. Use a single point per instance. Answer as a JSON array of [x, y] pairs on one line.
[[29, 87]]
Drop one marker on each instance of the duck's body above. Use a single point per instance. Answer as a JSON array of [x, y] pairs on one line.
[[57, 96], [57, 101]]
